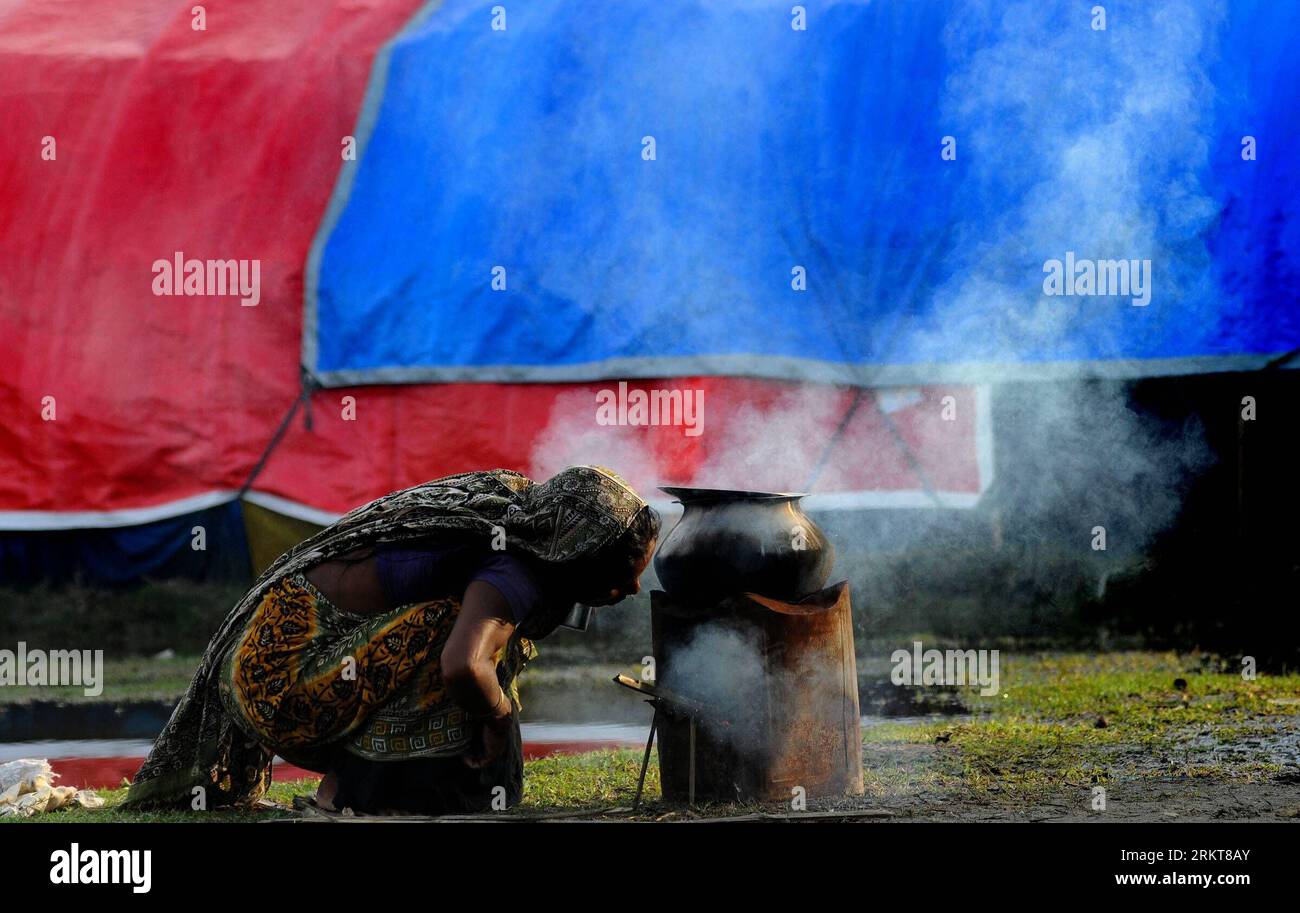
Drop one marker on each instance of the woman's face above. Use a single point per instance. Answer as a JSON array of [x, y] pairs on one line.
[[623, 588]]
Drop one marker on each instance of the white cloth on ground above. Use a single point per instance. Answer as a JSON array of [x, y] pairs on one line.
[[27, 788]]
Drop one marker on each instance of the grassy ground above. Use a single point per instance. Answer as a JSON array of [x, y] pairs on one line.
[[597, 781], [134, 678], [1163, 735]]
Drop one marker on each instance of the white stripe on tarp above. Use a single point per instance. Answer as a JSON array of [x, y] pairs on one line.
[[36, 520], [294, 509], [794, 368], [891, 500]]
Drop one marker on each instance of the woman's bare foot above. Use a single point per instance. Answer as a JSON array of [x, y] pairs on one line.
[[327, 791]]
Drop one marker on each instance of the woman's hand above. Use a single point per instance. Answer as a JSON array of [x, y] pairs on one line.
[[491, 740]]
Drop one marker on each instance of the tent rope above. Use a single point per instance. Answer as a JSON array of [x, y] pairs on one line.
[[303, 400]]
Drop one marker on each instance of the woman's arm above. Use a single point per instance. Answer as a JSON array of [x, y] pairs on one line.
[[483, 627], [481, 630]]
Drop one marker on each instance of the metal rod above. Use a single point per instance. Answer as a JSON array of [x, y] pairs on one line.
[[661, 696], [645, 761], [690, 792]]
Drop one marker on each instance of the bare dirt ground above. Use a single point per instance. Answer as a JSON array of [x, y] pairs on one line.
[[1196, 799]]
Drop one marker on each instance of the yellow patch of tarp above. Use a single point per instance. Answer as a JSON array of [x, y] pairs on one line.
[[270, 534]]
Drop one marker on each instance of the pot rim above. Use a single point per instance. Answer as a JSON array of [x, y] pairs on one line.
[[702, 495]]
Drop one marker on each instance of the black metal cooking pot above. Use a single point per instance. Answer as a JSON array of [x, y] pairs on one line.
[[729, 542]]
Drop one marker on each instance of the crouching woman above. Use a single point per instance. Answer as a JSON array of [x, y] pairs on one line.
[[383, 651]]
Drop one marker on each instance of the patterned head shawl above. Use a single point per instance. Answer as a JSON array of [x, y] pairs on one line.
[[566, 518]]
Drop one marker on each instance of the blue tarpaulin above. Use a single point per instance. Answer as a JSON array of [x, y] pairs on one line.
[[691, 187], [128, 554]]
